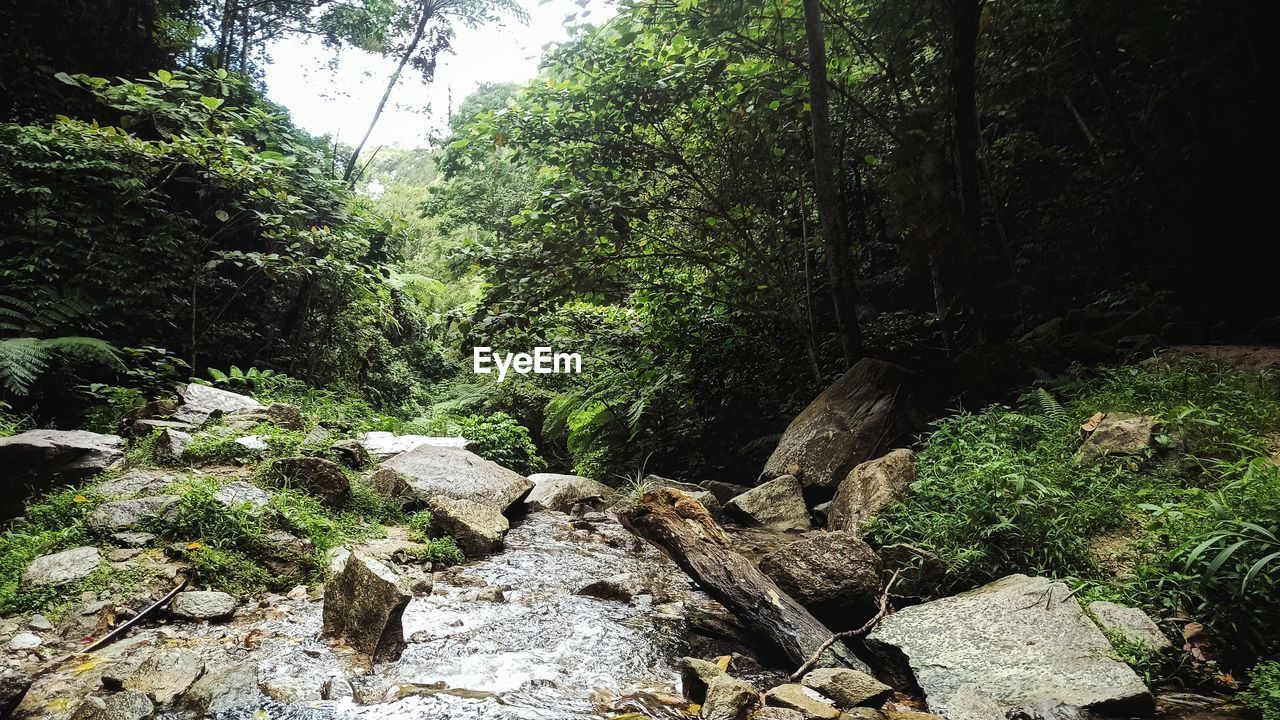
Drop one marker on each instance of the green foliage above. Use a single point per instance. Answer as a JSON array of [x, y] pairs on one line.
[[441, 551], [215, 446], [498, 437], [1263, 693], [51, 524], [26, 348]]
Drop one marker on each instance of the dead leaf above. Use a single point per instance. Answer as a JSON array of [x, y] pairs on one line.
[[1093, 422]]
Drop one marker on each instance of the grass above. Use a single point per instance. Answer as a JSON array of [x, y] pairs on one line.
[[438, 550], [1263, 693]]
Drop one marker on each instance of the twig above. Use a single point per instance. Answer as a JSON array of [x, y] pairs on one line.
[[106, 639], [866, 628]]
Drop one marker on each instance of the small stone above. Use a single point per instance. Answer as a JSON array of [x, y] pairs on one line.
[[25, 641], [298, 593], [204, 605], [336, 688], [224, 690], [1119, 434], [352, 454], [797, 697], [127, 705], [729, 698], [255, 444], [133, 484], [491, 594], [621, 587], [119, 555], [39, 622], [848, 688], [62, 568], [125, 514], [696, 676], [133, 539], [170, 446], [242, 494]]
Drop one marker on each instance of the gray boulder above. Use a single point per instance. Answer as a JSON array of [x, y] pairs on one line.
[[164, 674], [809, 703], [133, 484], [127, 705], [729, 698], [461, 475], [869, 488], [561, 492], [776, 505], [229, 689], [724, 491], [390, 483], [126, 514], [848, 688], [863, 411], [1131, 624], [621, 587], [317, 477], [132, 540], [282, 415], [146, 426], [199, 402], [170, 446], [1014, 642], [239, 493], [384, 445], [478, 529], [1119, 434], [39, 460], [835, 575], [363, 605], [203, 605], [62, 568]]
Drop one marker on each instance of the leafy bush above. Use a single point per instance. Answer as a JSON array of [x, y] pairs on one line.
[[498, 437], [1263, 693]]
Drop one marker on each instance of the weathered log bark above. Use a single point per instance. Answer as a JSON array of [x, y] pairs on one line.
[[680, 527]]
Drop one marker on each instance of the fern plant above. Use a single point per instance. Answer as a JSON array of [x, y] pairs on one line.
[[29, 339]]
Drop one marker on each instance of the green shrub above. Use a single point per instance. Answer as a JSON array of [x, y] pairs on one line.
[[1263, 693], [498, 437], [52, 523], [441, 552]]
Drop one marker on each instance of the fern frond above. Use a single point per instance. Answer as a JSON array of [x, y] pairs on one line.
[[86, 349], [21, 362], [1050, 406]]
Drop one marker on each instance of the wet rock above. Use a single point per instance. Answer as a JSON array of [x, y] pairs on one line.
[[848, 688], [696, 675], [132, 539], [282, 415], [25, 641], [869, 488], [981, 654], [199, 402], [561, 492], [317, 477], [13, 687], [133, 484], [126, 514], [729, 698], [225, 689], [170, 447], [777, 713], [62, 568], [921, 574], [621, 587], [390, 483], [866, 409], [203, 605], [461, 475], [336, 688], [724, 491], [478, 529], [384, 445], [810, 704], [777, 505], [1119, 434], [164, 674], [242, 494], [834, 574], [352, 454], [127, 705], [363, 605], [40, 460], [1132, 624], [290, 689]]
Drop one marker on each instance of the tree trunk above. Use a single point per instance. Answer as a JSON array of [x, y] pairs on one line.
[[835, 235], [679, 526], [427, 12]]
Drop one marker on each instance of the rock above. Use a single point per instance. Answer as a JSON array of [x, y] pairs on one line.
[[848, 688], [390, 483], [729, 698], [1132, 624], [869, 488], [170, 447], [384, 445], [866, 409], [459, 474], [62, 568], [317, 477], [132, 539], [127, 705], [144, 427], [336, 688], [164, 674], [822, 514], [40, 460], [25, 641], [119, 555], [696, 676], [126, 514], [778, 713], [1137, 346], [724, 491], [203, 605], [282, 415], [352, 454], [133, 484], [621, 587], [478, 529], [561, 492], [777, 505], [1119, 434], [834, 574], [254, 444], [921, 574], [242, 494], [224, 690], [809, 703], [199, 402], [286, 555], [363, 604], [39, 622], [13, 687], [704, 497], [981, 654]]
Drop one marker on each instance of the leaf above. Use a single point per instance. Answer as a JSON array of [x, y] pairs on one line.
[[164, 76], [63, 77], [212, 103], [222, 215]]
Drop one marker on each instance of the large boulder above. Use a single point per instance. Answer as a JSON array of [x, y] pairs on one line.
[[13, 687], [243, 495], [869, 488], [478, 529], [776, 505], [225, 690], [390, 483], [561, 492], [1119, 434], [282, 415], [809, 703], [460, 474], [835, 575], [363, 605], [62, 568], [317, 477], [863, 411], [40, 460], [200, 402], [125, 514], [384, 445], [994, 651], [728, 698], [135, 483]]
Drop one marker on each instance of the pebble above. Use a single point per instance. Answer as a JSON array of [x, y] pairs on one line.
[[25, 641], [39, 622]]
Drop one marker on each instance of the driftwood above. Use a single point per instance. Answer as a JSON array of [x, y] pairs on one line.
[[680, 527]]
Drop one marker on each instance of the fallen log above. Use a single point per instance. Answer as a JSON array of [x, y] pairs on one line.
[[680, 527]]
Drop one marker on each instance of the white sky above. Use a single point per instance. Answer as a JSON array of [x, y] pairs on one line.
[[340, 99]]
